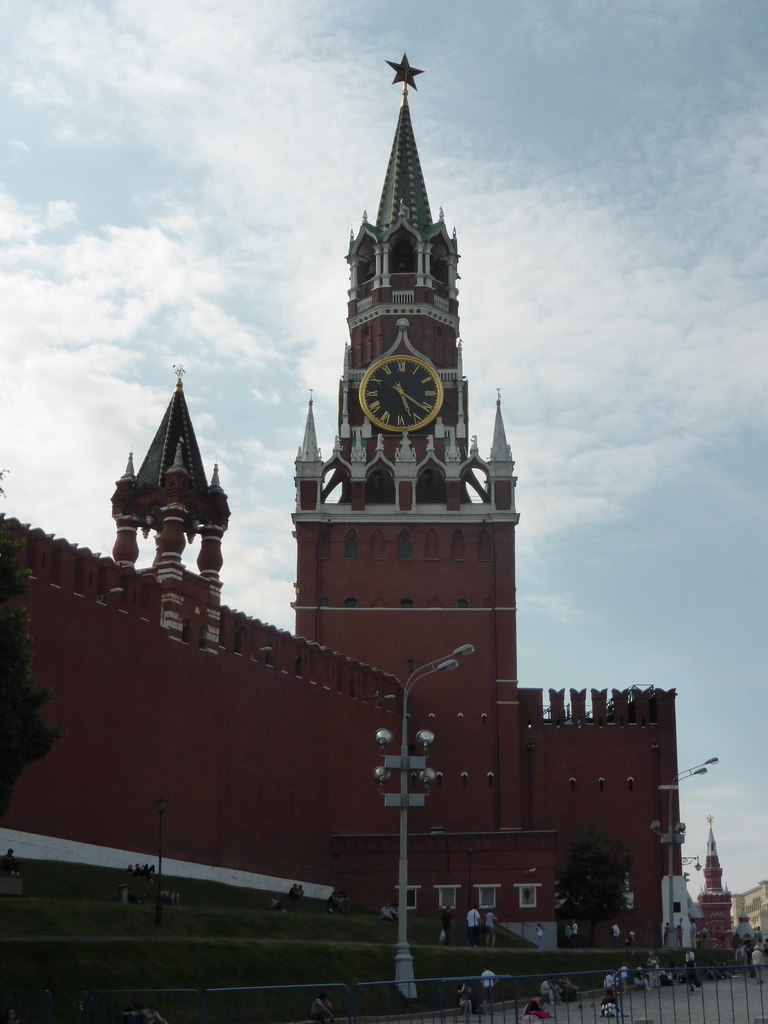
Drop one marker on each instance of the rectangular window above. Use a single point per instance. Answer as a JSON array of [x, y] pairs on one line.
[[527, 895], [446, 896], [486, 895], [410, 900]]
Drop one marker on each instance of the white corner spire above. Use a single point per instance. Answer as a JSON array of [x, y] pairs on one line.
[[309, 451], [500, 450]]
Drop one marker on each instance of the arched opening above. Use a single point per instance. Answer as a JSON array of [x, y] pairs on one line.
[[430, 544], [474, 487], [380, 488], [430, 487], [403, 258], [377, 544], [335, 490]]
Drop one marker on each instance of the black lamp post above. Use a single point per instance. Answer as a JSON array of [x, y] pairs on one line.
[[161, 804], [470, 851]]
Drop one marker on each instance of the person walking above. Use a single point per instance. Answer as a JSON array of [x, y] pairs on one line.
[[473, 926], [490, 928], [758, 959], [446, 920]]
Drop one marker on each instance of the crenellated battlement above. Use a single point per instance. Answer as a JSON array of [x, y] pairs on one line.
[[636, 706], [182, 610]]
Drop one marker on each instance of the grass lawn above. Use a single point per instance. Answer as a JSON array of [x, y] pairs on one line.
[[69, 934]]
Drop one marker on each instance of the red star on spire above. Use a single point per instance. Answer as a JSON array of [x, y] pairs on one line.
[[404, 72]]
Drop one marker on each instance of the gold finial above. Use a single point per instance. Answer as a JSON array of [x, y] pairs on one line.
[[710, 819], [310, 395], [179, 370]]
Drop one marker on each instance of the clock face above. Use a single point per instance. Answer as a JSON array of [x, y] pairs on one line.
[[401, 393]]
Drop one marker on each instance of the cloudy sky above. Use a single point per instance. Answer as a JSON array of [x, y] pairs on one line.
[[178, 182]]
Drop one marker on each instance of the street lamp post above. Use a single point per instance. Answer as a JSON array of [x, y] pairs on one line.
[[675, 836], [470, 851], [405, 764], [161, 804]]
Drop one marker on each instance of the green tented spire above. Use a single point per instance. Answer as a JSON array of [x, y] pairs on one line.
[[404, 182]]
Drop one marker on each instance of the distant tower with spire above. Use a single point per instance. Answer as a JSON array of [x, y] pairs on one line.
[[406, 533], [714, 899], [171, 496]]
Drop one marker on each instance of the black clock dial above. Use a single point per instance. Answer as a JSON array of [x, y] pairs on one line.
[[401, 393]]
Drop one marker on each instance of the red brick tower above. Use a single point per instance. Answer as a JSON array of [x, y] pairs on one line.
[[714, 899], [171, 496], [406, 535]]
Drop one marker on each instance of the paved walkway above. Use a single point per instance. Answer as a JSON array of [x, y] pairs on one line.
[[741, 1001]]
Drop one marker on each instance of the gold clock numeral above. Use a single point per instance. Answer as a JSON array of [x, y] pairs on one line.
[[401, 366], [385, 416], [400, 421], [430, 394], [374, 406], [387, 369]]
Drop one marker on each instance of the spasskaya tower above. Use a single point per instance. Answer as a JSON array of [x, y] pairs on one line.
[[406, 534]]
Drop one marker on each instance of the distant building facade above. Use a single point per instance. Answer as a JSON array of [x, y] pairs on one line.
[[752, 905]]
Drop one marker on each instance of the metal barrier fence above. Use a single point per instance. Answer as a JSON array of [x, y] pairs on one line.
[[273, 1004], [34, 1006], [723, 995], [124, 1006]]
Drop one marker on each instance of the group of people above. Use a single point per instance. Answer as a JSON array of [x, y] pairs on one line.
[[465, 996], [550, 992], [137, 1014], [296, 893], [141, 870], [389, 912], [338, 902], [571, 934], [629, 941], [477, 924]]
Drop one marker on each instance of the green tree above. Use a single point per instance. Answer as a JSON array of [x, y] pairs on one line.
[[593, 886], [24, 736]]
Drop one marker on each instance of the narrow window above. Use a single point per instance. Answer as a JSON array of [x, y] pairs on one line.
[[404, 546]]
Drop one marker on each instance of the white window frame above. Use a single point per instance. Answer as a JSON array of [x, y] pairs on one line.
[[483, 892], [524, 901], [411, 901], [442, 896]]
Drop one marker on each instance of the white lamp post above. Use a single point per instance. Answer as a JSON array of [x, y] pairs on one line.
[[405, 764], [675, 836]]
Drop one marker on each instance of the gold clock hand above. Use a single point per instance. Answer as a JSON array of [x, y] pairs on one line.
[[421, 405]]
